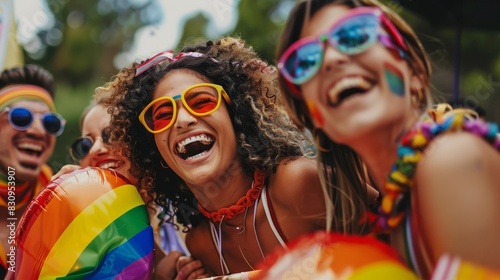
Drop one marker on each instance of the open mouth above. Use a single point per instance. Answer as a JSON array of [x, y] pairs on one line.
[[195, 146], [30, 149], [111, 164], [348, 87]]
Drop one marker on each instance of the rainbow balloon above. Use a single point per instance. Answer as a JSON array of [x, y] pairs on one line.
[[89, 224], [325, 255]]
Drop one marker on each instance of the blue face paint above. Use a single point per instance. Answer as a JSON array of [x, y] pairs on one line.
[[394, 80]]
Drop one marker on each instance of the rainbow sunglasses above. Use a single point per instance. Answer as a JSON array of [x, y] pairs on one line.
[[352, 34]]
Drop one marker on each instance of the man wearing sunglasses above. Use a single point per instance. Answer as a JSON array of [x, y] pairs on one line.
[[29, 126]]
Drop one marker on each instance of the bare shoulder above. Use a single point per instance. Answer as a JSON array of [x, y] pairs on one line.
[[457, 192], [297, 183], [460, 152], [295, 177]]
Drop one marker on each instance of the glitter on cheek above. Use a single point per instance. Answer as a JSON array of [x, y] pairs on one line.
[[315, 114], [394, 79]]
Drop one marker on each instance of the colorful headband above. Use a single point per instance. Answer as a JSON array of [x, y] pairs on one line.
[[15, 93], [166, 55]]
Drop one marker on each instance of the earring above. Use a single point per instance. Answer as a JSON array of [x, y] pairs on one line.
[[418, 99], [164, 165]]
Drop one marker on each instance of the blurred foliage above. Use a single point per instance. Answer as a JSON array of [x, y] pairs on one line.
[[94, 31]]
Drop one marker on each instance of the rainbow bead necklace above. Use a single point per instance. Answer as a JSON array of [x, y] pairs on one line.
[[410, 150]]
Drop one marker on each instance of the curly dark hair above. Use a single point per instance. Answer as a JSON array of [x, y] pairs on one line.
[[265, 134]]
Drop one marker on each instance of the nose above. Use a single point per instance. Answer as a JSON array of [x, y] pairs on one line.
[[184, 117], [37, 128], [332, 58], [99, 148]]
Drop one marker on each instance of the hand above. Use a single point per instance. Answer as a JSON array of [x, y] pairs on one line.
[[68, 168], [189, 268], [165, 269]]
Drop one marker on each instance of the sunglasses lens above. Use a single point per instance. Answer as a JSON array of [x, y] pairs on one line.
[[355, 34], [21, 117], [159, 115], [52, 123], [303, 62], [202, 100], [81, 148]]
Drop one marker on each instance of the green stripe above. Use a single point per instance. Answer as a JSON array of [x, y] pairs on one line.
[[117, 233]]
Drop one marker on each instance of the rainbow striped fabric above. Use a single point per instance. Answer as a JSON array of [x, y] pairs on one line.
[[89, 224]]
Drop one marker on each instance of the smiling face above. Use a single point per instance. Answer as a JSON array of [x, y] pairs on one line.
[[27, 150], [198, 149], [100, 155], [354, 95]]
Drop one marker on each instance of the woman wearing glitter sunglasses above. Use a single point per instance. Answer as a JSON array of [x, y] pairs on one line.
[[356, 75], [206, 130]]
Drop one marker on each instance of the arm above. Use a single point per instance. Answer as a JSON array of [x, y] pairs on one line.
[[68, 168], [457, 199]]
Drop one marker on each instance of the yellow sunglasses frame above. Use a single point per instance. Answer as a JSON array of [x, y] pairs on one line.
[[220, 91]]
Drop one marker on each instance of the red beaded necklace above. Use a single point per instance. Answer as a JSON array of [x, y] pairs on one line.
[[243, 203]]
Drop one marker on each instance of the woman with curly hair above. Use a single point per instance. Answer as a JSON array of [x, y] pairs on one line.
[[357, 75], [208, 137]]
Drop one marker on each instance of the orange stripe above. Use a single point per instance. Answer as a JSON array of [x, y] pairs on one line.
[[12, 94], [75, 192]]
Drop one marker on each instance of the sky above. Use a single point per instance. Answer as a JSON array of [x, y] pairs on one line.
[[222, 15]]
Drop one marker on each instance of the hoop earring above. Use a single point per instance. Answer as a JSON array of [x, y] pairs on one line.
[[163, 164], [418, 99]]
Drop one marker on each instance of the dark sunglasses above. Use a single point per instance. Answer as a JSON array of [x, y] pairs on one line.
[[352, 34], [81, 147], [21, 118]]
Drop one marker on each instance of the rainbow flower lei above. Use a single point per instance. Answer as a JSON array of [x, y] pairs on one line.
[[410, 150]]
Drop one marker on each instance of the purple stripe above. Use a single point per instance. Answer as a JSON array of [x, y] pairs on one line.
[[136, 269]]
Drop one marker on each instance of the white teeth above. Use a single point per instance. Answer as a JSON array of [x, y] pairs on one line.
[[30, 146], [181, 146], [109, 165], [197, 156], [346, 83]]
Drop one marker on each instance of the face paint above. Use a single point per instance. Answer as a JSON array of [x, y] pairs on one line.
[[394, 80], [315, 114]]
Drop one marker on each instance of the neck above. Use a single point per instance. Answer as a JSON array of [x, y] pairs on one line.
[[252, 193], [380, 152], [224, 189]]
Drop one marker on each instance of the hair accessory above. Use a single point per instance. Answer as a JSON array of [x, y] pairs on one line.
[[166, 55], [15, 93], [410, 151], [243, 203]]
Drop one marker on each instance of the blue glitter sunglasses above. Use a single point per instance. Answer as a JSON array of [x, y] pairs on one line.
[[352, 34]]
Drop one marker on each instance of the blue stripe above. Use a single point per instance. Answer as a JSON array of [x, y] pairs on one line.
[[122, 256]]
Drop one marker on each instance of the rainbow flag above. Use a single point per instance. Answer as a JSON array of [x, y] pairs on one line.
[[89, 224], [10, 51]]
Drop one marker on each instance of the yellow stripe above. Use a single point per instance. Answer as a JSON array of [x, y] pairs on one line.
[[15, 93], [85, 227]]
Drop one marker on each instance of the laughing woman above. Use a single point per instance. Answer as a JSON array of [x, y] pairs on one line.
[[205, 129], [357, 76]]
